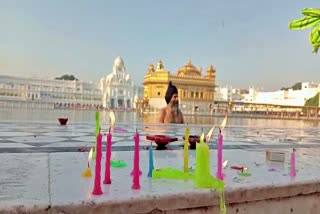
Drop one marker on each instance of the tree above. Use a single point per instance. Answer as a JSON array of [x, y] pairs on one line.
[[297, 86], [66, 77], [311, 19], [313, 101]]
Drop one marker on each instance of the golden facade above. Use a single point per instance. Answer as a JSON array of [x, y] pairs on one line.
[[196, 91]]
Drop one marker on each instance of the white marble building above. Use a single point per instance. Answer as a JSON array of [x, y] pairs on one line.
[[288, 97], [115, 91], [43, 93], [117, 88], [227, 94]]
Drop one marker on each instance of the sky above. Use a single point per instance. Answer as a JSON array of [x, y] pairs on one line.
[[247, 41]]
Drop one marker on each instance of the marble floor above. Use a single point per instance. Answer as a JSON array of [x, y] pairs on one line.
[[56, 177], [43, 158], [50, 137]]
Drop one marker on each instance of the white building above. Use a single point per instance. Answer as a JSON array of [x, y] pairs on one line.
[[42, 93], [288, 97], [116, 90], [227, 94]]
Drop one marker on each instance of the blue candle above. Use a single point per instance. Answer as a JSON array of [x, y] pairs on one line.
[[151, 167]]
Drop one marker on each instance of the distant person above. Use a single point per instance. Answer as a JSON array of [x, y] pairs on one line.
[[171, 113]]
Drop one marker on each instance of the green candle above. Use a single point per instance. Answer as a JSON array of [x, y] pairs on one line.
[[185, 151], [202, 176], [97, 132]]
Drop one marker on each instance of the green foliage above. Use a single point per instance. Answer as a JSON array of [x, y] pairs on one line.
[[66, 77], [311, 20], [313, 101], [295, 87]]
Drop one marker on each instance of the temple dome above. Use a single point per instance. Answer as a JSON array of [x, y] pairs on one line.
[[211, 71], [118, 63], [119, 73], [189, 70]]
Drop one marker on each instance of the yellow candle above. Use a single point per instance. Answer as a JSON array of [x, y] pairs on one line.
[[87, 173], [202, 176], [185, 153]]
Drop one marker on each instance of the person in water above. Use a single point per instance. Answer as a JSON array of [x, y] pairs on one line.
[[171, 113]]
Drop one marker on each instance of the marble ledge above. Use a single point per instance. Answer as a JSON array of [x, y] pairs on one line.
[[239, 200], [195, 200], [25, 209], [37, 183]]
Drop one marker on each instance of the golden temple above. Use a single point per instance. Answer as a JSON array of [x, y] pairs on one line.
[[196, 92]]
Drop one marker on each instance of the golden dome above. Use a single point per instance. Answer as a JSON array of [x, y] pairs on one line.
[[189, 70], [151, 69], [211, 71]]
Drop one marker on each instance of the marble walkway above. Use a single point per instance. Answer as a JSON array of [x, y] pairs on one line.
[[41, 166], [50, 137]]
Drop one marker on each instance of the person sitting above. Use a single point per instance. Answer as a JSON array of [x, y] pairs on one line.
[[171, 113]]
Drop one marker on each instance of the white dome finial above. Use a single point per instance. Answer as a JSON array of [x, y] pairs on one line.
[[118, 65]]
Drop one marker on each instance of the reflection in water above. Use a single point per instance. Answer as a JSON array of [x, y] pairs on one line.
[[239, 130], [76, 116], [241, 122]]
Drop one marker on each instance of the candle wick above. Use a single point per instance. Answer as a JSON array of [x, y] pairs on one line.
[[109, 129], [219, 130], [136, 130], [88, 165]]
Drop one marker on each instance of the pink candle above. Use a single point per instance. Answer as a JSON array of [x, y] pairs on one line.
[[136, 169], [293, 163], [107, 174], [97, 179], [219, 168]]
